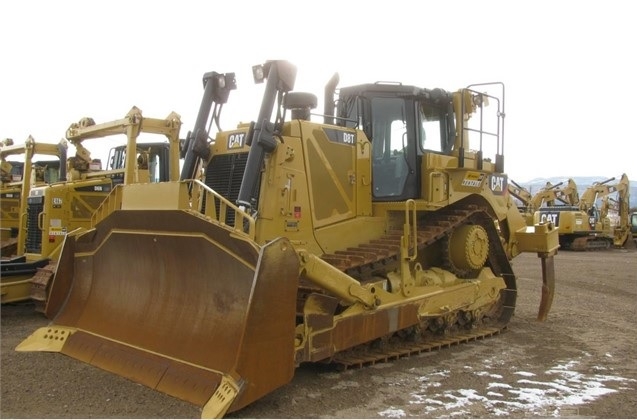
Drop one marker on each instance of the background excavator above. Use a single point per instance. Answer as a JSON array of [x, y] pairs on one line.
[[616, 207], [53, 210], [375, 233], [525, 199], [586, 227], [550, 196], [556, 195]]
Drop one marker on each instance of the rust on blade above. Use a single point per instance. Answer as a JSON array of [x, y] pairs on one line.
[[180, 311], [172, 377]]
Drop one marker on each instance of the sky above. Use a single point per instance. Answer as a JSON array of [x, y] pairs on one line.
[[568, 67]]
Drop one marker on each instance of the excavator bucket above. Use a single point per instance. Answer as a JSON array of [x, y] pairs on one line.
[[187, 307]]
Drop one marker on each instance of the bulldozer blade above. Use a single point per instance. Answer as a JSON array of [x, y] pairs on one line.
[[198, 312], [548, 286]]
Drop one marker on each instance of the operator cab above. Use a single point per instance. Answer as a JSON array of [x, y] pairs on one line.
[[402, 123], [152, 156], [593, 216]]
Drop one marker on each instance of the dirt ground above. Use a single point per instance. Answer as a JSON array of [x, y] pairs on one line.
[[581, 363]]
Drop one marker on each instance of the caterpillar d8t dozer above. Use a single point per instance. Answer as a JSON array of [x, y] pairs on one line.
[[373, 232]]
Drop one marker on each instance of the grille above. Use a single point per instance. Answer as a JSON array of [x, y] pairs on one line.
[[35, 206], [224, 175]]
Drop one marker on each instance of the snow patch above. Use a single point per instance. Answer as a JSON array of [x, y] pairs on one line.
[[346, 384], [490, 375], [392, 413], [563, 389], [525, 373]]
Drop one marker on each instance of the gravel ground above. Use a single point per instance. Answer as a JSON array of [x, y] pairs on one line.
[[582, 362]]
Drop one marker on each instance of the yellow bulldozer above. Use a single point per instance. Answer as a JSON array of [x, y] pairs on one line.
[[52, 210], [23, 166], [372, 231]]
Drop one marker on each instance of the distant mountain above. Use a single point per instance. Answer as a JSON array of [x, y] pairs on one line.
[[586, 181], [582, 182]]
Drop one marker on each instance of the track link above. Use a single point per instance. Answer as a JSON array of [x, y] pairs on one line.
[[359, 358], [381, 255]]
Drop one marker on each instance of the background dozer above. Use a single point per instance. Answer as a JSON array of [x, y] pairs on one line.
[[374, 233], [23, 166], [39, 164], [587, 226], [53, 210]]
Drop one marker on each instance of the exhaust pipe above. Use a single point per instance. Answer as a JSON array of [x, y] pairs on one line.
[[328, 107]]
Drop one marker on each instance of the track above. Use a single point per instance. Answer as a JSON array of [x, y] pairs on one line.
[[382, 255], [39, 285], [358, 358], [590, 243]]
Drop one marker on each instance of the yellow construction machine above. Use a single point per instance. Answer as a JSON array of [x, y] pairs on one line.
[[375, 232], [556, 195], [618, 202], [525, 199], [53, 210], [585, 227], [548, 196], [22, 167]]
